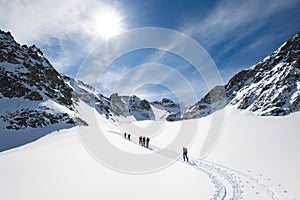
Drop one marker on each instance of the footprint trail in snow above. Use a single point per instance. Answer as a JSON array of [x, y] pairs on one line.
[[229, 183]]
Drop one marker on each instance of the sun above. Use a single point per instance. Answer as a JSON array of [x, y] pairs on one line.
[[108, 23]]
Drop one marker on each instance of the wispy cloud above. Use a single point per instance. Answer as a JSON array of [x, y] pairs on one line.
[[71, 22], [106, 84], [237, 33], [235, 20], [156, 74]]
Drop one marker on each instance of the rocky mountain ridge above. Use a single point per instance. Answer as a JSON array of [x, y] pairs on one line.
[[269, 88], [27, 75], [122, 109]]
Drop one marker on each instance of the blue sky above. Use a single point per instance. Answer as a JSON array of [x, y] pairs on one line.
[[236, 35]]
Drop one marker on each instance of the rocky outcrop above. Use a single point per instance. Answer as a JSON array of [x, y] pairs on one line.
[[131, 106]]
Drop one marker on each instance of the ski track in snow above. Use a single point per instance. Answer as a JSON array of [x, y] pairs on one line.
[[226, 180]]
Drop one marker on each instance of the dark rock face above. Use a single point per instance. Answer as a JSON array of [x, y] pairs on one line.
[[140, 109], [34, 119], [25, 72], [9, 87], [173, 117], [271, 87], [34, 96], [166, 103], [136, 103]]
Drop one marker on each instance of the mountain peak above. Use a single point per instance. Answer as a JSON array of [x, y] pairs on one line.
[[27, 76], [6, 35], [271, 87]]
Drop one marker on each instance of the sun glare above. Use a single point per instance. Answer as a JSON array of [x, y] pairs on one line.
[[108, 23]]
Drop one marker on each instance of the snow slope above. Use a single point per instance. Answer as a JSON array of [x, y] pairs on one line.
[[262, 151], [46, 116], [266, 148], [58, 167], [256, 158]]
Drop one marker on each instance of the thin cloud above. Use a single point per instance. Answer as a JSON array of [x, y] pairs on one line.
[[109, 79], [235, 20], [69, 21], [237, 33], [156, 74]]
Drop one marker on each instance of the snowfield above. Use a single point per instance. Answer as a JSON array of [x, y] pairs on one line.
[[255, 158]]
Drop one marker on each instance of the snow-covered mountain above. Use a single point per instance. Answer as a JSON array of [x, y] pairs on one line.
[[271, 87], [126, 106], [33, 94], [172, 110], [88, 94], [167, 105], [126, 109], [116, 108], [122, 109]]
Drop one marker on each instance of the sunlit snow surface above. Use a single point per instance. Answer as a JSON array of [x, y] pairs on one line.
[[256, 158]]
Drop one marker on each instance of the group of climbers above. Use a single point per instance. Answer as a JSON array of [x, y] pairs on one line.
[[144, 141], [127, 136]]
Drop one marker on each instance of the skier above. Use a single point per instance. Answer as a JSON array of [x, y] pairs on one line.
[[185, 157], [128, 136], [144, 141], [147, 142], [125, 134], [140, 140]]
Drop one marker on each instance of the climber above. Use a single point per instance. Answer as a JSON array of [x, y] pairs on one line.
[[185, 157]]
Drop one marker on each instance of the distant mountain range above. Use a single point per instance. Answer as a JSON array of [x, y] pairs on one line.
[[122, 109], [33, 95]]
